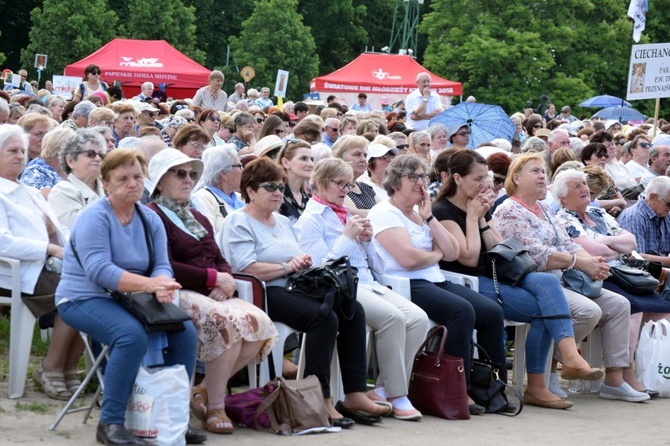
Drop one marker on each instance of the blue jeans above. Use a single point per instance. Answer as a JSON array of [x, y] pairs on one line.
[[538, 294], [108, 322]]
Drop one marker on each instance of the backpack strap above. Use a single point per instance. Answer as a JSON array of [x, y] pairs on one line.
[[222, 206]]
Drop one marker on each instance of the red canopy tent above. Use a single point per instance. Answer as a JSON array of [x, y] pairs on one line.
[[377, 75], [133, 62]]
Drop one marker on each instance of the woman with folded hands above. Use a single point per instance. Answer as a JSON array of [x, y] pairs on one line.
[[259, 241], [462, 206], [523, 217]]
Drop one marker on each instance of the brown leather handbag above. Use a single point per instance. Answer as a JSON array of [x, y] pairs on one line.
[[437, 386]]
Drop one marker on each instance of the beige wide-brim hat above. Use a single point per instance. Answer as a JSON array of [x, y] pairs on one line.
[[165, 160], [267, 144]]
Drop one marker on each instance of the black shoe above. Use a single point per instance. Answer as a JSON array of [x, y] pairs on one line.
[[476, 409], [358, 416], [509, 408], [194, 436], [653, 394], [116, 434], [344, 422]]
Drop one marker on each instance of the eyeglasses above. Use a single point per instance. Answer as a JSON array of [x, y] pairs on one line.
[[402, 146], [414, 177], [107, 123], [190, 119], [195, 145], [237, 166], [498, 179], [95, 72], [38, 135], [344, 187], [620, 142], [214, 119], [92, 154], [182, 174], [152, 115], [645, 145], [462, 134], [260, 120], [293, 124], [602, 155], [667, 203], [334, 129], [271, 187], [280, 132]]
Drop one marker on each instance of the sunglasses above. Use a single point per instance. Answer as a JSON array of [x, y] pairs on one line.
[[344, 187], [182, 174], [280, 132], [645, 145], [498, 179], [152, 115], [602, 155], [260, 120], [334, 129], [271, 187], [181, 107], [402, 146], [537, 126], [293, 124], [237, 166], [414, 177], [386, 156], [214, 119], [95, 72], [92, 154], [464, 133], [190, 120]]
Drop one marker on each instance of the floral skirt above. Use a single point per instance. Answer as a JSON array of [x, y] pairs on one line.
[[222, 324]]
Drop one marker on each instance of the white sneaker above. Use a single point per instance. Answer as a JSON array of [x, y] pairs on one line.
[[555, 386], [623, 393]]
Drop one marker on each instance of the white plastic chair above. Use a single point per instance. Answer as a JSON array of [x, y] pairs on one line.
[[22, 326]]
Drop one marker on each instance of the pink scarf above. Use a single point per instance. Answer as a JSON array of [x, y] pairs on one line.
[[340, 211]]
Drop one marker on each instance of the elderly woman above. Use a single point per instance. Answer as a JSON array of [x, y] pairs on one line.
[[327, 231], [212, 96], [459, 136], [348, 125], [401, 143], [244, 137], [56, 105], [380, 154], [353, 150], [231, 333], [463, 209], [550, 246], [191, 140], [45, 172], [610, 199], [216, 194], [412, 243], [101, 116], [210, 121], [124, 124], [30, 233], [438, 139], [419, 143], [297, 161], [91, 84], [227, 127], [601, 235], [36, 126], [107, 135], [259, 241], [105, 253], [80, 159], [170, 128], [309, 130]]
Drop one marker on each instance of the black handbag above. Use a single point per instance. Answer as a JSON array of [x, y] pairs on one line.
[[154, 315], [486, 387], [508, 261], [632, 280], [334, 284]]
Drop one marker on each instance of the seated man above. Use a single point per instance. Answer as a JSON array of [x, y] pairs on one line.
[[647, 221]]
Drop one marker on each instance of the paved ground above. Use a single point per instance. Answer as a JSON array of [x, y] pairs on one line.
[[591, 421]]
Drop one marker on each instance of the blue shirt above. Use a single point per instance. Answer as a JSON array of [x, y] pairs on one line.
[[108, 249], [651, 232], [39, 174]]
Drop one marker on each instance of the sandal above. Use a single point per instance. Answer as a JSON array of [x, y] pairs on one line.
[[216, 418], [199, 402], [53, 383], [72, 381]]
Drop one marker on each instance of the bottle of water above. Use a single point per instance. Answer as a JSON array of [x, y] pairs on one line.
[[576, 386], [593, 386]]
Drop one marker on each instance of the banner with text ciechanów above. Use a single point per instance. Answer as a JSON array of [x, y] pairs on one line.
[[649, 72]]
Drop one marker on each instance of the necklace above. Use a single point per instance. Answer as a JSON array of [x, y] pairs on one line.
[[123, 220], [537, 211]]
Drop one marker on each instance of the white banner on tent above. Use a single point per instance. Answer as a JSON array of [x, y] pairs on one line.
[[649, 72], [65, 85]]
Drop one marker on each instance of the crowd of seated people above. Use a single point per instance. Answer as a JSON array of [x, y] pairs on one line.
[[270, 192]]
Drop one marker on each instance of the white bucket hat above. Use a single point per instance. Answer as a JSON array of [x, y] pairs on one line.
[[167, 159]]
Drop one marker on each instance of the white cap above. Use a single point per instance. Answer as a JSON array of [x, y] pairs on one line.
[[145, 106], [376, 150]]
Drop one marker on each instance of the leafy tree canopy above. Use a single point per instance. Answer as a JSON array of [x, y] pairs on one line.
[[274, 38]]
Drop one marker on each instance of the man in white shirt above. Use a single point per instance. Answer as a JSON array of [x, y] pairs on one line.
[[659, 161], [422, 104], [639, 148]]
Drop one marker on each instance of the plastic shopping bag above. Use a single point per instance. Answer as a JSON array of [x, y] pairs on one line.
[[158, 407], [652, 358]]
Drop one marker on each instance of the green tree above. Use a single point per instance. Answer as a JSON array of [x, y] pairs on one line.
[[508, 53], [171, 21], [15, 25], [68, 30], [337, 27], [275, 38]]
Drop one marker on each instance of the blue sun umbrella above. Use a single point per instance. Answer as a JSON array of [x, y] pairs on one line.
[[486, 122], [621, 114], [604, 100]]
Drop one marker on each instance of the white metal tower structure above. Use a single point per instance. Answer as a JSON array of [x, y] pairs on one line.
[[405, 29]]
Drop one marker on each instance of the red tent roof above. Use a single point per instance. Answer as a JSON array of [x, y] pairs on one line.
[[382, 74], [133, 62]]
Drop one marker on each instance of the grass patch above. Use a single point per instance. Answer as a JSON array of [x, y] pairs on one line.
[[34, 406], [64, 434]]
